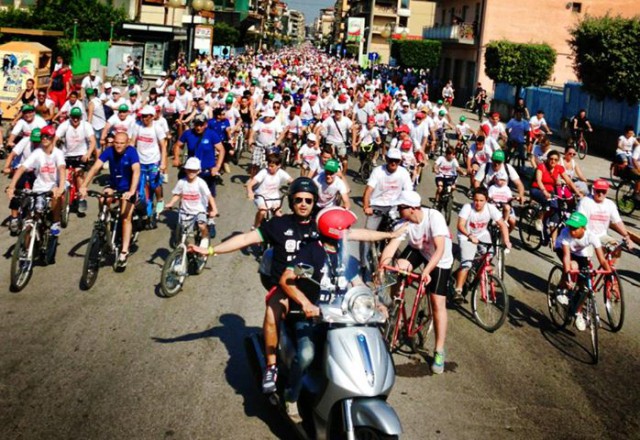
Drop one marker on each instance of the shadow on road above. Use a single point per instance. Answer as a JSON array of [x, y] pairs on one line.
[[161, 254], [527, 279], [232, 334]]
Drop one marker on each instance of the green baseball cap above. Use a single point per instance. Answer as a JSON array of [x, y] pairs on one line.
[[462, 118], [36, 135], [332, 166], [123, 108], [75, 112], [132, 80], [89, 91], [27, 108], [498, 156], [133, 92], [577, 220]]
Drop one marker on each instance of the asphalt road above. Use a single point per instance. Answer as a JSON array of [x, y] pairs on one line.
[[120, 362]]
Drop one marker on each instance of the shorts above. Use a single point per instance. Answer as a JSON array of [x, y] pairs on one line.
[[261, 203], [583, 262], [75, 162], [439, 276], [340, 149], [468, 251], [307, 122], [446, 180], [623, 157], [152, 173], [191, 219], [258, 155]]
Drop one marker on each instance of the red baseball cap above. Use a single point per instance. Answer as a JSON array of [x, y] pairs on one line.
[[601, 185], [485, 129]]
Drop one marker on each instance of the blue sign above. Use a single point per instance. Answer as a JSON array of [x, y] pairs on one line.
[[374, 56]]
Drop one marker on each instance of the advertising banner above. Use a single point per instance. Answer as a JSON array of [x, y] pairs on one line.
[[355, 29]]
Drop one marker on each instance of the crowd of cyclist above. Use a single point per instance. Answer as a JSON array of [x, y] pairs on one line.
[[325, 113]]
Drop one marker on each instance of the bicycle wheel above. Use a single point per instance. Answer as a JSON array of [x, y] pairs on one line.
[[448, 208], [490, 303], [559, 313], [118, 80], [530, 237], [391, 328], [197, 264], [592, 316], [613, 301], [366, 170], [66, 209], [174, 272], [616, 181], [424, 325], [21, 262], [91, 264], [624, 198], [582, 149], [144, 84]]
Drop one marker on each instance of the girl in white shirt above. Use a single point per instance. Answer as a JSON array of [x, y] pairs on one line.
[[267, 185]]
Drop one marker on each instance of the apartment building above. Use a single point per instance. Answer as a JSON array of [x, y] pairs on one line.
[[466, 26], [296, 25]]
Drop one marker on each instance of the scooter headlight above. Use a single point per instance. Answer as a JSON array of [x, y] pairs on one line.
[[361, 304]]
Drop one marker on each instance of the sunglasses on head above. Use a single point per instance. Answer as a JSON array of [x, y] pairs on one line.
[[306, 200]]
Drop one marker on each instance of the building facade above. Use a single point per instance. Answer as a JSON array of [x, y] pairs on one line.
[[296, 26], [466, 26]]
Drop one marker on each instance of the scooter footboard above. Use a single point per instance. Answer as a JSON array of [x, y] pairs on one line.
[[377, 414]]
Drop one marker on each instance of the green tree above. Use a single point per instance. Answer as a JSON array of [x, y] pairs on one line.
[[519, 64], [419, 54], [225, 35], [606, 57]]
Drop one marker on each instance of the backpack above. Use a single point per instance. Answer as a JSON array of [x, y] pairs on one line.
[[108, 111], [57, 83]]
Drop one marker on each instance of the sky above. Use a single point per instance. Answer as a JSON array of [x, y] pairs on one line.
[[310, 8]]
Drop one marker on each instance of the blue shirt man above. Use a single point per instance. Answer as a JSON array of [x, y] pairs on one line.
[[517, 129]]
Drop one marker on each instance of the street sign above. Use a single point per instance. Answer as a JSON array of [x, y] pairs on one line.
[[374, 56]]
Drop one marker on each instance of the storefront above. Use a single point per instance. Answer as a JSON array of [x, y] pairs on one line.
[[160, 45]]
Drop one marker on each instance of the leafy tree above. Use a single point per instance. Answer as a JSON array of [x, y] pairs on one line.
[[225, 35], [519, 64], [606, 57], [419, 54]]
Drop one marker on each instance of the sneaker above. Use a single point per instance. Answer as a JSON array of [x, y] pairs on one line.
[[204, 243], [122, 259], [457, 296], [82, 206], [14, 225], [292, 411], [269, 379], [539, 225], [438, 363], [562, 297], [55, 229], [581, 324], [159, 206]]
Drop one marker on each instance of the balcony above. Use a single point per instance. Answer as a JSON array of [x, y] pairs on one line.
[[384, 10], [359, 9], [463, 33], [404, 12]]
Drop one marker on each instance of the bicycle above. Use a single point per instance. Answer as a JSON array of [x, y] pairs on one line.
[[180, 263], [412, 330], [581, 144], [582, 297], [34, 243], [626, 196], [106, 239], [366, 162], [387, 224], [147, 195], [445, 202], [442, 142], [489, 297], [71, 196], [462, 148], [553, 221], [272, 209], [240, 143], [501, 251], [516, 153], [121, 79], [288, 153]]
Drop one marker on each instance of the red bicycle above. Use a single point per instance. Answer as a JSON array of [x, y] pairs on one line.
[[71, 195], [489, 297], [408, 330]]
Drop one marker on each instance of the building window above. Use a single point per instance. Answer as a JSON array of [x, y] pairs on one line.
[[403, 21], [576, 7]]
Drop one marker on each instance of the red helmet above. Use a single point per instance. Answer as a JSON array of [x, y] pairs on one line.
[[407, 144], [485, 129], [342, 98], [404, 128], [332, 221], [49, 130]]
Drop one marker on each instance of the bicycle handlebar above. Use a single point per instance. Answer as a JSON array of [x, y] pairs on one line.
[[98, 194], [31, 193], [409, 275]]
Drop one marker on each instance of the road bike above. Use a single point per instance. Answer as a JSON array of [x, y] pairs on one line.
[[580, 299], [489, 297], [181, 263], [553, 221], [240, 144], [625, 196], [411, 330], [105, 243], [35, 243]]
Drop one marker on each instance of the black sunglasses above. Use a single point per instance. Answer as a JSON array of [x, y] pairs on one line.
[[393, 160], [306, 200], [403, 207]]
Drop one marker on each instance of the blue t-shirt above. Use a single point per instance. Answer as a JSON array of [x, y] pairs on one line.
[[220, 127], [204, 149], [517, 130], [120, 172]]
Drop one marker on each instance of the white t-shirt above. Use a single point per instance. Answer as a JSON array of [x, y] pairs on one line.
[[500, 194], [148, 142], [120, 126], [293, 125], [172, 108], [194, 195], [23, 128], [447, 168], [328, 193], [67, 106], [22, 150], [495, 131], [480, 157], [335, 131], [536, 123], [488, 177], [464, 129], [420, 236], [580, 247], [267, 134], [76, 140], [45, 167], [310, 156], [388, 186], [636, 154], [368, 136], [98, 119], [600, 215], [625, 145], [476, 223], [269, 184]]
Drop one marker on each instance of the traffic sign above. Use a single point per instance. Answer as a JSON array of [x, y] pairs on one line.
[[374, 56]]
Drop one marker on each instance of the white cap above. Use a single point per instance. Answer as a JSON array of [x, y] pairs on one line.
[[394, 153], [311, 137], [338, 108], [410, 198], [269, 113], [148, 110], [163, 73], [107, 85], [116, 90], [193, 163]]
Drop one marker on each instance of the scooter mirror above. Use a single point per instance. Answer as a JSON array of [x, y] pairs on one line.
[[303, 270]]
